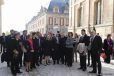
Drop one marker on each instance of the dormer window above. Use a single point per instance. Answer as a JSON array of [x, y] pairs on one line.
[[56, 9], [66, 10]]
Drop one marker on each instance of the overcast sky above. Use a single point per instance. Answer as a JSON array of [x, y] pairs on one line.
[[16, 13]]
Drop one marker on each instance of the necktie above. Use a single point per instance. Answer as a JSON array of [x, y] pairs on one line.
[[92, 39], [39, 42], [25, 37]]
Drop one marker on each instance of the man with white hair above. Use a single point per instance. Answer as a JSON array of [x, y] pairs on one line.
[[96, 49]]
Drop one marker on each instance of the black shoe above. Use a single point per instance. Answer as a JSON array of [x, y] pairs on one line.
[[40, 62], [37, 64], [45, 64], [14, 74], [91, 66], [54, 62], [8, 65], [84, 69], [27, 70], [92, 72], [88, 65], [21, 66], [80, 68], [69, 66], [19, 72], [99, 75], [57, 62], [34, 67]]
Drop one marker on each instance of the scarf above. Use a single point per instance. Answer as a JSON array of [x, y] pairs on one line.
[[31, 43], [110, 44]]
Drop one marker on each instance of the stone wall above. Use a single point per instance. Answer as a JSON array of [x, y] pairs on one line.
[[88, 7]]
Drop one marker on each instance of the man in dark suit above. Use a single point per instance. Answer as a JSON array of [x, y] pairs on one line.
[[3, 42], [40, 46], [62, 48], [16, 48], [96, 48], [24, 36], [83, 39], [23, 40], [9, 46]]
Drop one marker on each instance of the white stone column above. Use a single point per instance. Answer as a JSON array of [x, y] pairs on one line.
[[0, 21], [113, 19], [1, 2]]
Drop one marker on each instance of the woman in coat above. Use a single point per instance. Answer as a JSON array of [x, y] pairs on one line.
[[48, 47], [69, 49], [108, 47], [76, 40], [28, 53]]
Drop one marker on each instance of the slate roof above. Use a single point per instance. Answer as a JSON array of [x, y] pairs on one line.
[[60, 3]]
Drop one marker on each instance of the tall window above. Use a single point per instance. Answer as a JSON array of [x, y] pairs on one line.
[[55, 21], [50, 21], [62, 21], [98, 9], [67, 22], [80, 16]]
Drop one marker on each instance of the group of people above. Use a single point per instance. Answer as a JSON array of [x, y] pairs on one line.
[[34, 49], [93, 48]]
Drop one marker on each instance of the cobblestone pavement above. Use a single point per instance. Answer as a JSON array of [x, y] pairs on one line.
[[57, 70]]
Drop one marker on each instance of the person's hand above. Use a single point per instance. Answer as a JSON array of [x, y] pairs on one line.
[[52, 49], [113, 49], [16, 52], [32, 50]]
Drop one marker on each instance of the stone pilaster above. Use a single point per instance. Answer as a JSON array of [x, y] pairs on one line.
[[1, 2]]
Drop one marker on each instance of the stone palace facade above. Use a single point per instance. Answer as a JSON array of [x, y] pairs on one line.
[[52, 19], [97, 13]]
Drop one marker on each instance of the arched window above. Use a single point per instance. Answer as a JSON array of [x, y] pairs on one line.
[[56, 9]]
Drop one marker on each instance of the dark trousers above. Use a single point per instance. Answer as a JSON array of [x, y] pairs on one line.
[[36, 57], [9, 58], [62, 54], [41, 53], [89, 56], [69, 56], [83, 61], [15, 65], [20, 59], [54, 56], [96, 61], [2, 47], [56, 53]]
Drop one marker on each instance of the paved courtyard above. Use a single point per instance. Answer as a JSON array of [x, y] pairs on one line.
[[57, 70]]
